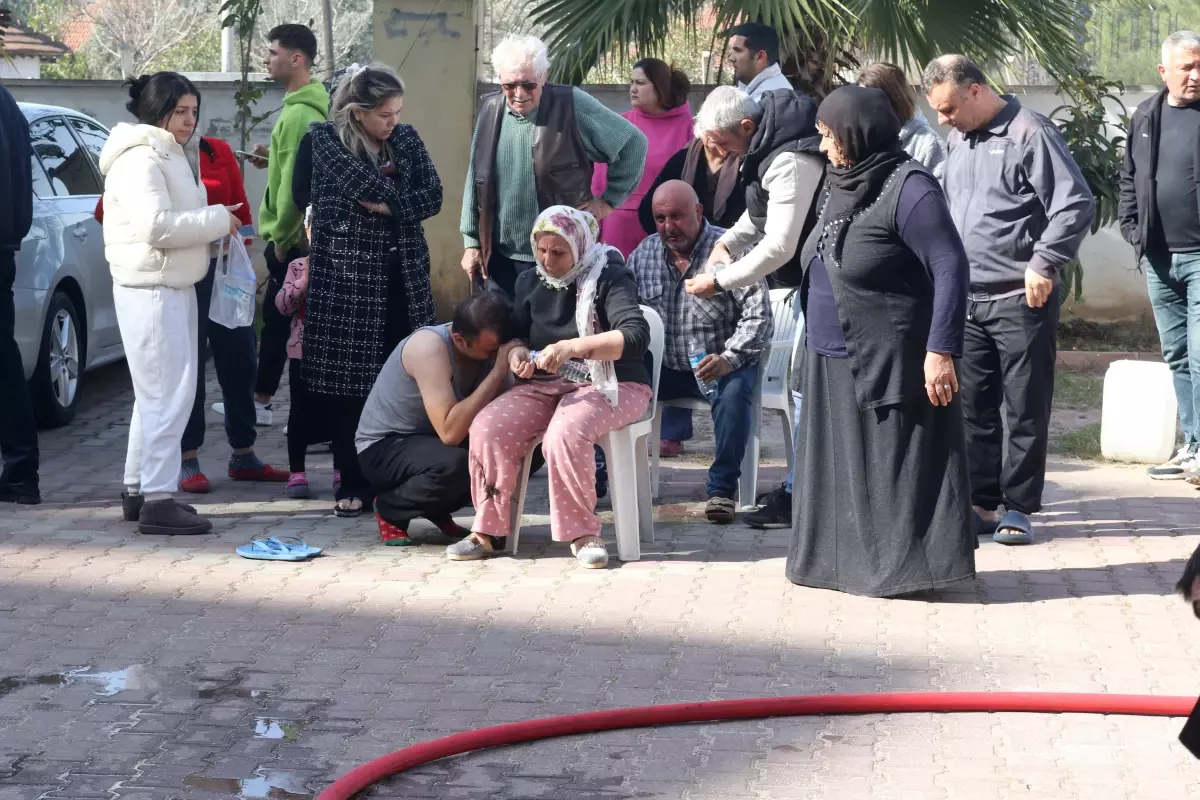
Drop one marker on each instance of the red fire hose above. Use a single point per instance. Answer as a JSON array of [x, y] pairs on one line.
[[757, 708]]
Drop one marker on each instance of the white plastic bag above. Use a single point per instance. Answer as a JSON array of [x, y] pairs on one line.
[[234, 285]]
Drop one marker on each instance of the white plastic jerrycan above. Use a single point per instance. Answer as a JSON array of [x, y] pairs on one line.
[[1138, 422]]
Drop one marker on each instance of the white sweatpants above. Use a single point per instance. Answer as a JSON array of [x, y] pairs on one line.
[[158, 328]]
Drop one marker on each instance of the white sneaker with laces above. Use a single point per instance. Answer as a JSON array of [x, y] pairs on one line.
[[263, 413], [1177, 466]]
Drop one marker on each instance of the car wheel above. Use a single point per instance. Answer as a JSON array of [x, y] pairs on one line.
[[55, 383]]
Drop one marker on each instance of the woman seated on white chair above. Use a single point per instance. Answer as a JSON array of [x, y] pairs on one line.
[[577, 313]]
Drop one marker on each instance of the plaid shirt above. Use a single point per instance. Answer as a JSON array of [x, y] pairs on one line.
[[735, 324]]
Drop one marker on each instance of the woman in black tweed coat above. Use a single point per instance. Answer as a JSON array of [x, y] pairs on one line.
[[372, 185]]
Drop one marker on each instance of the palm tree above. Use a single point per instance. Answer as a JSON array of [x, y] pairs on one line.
[[822, 37]]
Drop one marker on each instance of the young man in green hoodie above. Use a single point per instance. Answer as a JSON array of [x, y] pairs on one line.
[[292, 50]]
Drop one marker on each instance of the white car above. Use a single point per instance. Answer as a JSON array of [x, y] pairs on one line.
[[65, 321]]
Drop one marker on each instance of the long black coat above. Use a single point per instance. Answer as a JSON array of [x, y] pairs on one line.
[[354, 252]]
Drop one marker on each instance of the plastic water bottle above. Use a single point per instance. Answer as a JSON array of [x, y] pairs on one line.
[[696, 354], [571, 369]]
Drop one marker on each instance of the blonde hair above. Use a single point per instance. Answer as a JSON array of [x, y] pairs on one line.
[[363, 90]]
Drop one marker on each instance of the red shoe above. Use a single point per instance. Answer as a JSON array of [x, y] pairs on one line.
[[267, 473], [669, 448], [196, 484], [393, 535]]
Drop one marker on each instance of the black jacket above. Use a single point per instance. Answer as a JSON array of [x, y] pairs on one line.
[[16, 177], [735, 204], [1136, 207]]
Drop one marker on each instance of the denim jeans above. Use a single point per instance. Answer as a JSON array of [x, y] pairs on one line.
[[1174, 285], [731, 420], [791, 476]]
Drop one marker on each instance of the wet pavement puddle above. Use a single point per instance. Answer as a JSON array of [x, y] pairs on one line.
[[271, 785]]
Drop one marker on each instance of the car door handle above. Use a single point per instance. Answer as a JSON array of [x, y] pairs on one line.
[[79, 232]]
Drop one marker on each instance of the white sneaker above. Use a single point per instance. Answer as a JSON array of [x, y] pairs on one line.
[[263, 413], [1177, 467]]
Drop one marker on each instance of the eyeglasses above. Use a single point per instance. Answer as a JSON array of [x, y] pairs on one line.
[[528, 86]]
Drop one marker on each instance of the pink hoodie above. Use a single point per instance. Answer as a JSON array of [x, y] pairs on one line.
[[667, 134]]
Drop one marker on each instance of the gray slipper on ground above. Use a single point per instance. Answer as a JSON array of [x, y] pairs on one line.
[[472, 548], [590, 552]]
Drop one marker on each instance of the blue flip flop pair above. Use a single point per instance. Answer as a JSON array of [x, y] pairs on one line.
[[278, 548]]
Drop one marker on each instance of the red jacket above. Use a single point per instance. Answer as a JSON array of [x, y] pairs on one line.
[[221, 177]]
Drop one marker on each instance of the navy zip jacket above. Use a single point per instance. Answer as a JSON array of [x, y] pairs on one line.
[[16, 178]]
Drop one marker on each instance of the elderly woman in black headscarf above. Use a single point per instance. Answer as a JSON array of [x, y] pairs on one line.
[[882, 501]]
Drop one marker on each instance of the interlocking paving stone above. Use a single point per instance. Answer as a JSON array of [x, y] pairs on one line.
[[145, 668]]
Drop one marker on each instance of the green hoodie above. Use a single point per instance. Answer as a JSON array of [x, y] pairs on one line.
[[279, 221]]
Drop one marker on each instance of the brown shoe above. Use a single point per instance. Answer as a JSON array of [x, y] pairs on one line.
[[168, 518]]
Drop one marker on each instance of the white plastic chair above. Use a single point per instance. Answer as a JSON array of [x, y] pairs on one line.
[[772, 395], [773, 385], [628, 467]]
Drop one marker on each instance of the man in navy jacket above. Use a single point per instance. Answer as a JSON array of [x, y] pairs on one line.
[[18, 437]]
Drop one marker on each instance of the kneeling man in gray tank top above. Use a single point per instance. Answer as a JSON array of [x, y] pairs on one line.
[[412, 436]]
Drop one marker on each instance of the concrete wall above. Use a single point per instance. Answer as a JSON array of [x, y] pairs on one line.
[[28, 67], [433, 42], [441, 89]]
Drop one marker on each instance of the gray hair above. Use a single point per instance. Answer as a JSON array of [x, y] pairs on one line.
[[515, 53], [363, 90], [724, 109], [1188, 41], [956, 69]]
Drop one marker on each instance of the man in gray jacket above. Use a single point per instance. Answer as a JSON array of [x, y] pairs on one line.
[[1022, 208]]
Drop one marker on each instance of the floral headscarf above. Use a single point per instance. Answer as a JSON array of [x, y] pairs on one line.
[[580, 230]]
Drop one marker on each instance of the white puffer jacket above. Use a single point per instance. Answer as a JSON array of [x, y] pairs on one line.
[[157, 220]]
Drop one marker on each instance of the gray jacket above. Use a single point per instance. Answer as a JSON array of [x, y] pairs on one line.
[[921, 142], [1017, 198]]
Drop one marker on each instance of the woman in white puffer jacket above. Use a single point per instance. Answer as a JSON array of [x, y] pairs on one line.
[[157, 228]]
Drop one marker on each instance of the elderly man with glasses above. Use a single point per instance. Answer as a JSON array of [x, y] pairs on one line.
[[567, 131]]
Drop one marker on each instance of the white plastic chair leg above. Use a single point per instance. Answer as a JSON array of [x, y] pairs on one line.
[[517, 505], [748, 482], [644, 500], [789, 446], [655, 446], [622, 471]]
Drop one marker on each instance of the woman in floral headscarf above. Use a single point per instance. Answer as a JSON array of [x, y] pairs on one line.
[[578, 308]]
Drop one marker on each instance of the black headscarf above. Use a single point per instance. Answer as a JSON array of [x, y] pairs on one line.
[[786, 117], [868, 130]]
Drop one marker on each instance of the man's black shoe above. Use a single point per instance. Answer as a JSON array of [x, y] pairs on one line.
[[25, 493], [776, 511]]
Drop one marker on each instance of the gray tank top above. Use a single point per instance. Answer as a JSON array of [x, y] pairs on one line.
[[394, 406]]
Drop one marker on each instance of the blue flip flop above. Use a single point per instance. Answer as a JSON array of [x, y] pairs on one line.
[[1014, 528], [295, 544], [266, 550]]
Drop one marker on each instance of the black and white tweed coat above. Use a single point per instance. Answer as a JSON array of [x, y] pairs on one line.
[[352, 256]]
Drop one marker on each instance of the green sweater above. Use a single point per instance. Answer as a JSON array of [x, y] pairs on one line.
[[279, 221], [607, 137]]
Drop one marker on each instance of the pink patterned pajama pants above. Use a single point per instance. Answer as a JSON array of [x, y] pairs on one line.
[[572, 417]]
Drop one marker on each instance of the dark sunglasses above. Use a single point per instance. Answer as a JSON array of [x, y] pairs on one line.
[[528, 86]]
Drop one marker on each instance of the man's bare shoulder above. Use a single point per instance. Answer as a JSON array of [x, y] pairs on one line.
[[425, 354]]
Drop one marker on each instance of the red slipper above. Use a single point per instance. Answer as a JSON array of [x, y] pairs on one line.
[[393, 535], [196, 484], [267, 473]]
